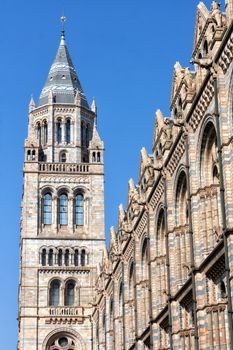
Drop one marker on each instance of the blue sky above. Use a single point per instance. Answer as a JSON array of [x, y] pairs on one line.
[[124, 52]]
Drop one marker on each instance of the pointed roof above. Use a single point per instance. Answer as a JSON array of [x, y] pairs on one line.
[[62, 79]]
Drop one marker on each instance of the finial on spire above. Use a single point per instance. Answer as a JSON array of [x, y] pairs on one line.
[[63, 19]]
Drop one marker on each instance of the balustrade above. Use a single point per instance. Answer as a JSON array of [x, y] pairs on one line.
[[63, 168]]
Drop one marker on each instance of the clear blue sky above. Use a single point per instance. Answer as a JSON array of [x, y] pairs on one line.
[[124, 52]]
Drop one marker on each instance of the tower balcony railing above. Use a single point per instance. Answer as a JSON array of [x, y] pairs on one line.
[[70, 168], [66, 311]]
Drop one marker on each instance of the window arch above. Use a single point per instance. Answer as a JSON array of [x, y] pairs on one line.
[[59, 131], [63, 209], [70, 293], [47, 209], [54, 293], [68, 129], [79, 209]]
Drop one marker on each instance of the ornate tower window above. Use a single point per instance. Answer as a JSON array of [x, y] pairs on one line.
[[59, 131], [59, 258], [63, 157], [43, 257], [39, 133], [76, 257], [47, 209], [69, 293], [67, 258], [50, 259], [45, 133], [87, 135], [63, 209], [68, 131], [83, 257], [54, 293], [79, 210]]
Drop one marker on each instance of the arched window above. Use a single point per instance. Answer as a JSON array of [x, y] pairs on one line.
[[145, 259], [33, 155], [69, 293], [79, 210], [28, 155], [59, 131], [205, 48], [39, 133], [45, 132], [54, 299], [83, 258], [47, 209], [131, 271], [76, 258], [82, 134], [68, 131], [67, 258], [59, 258], [87, 135], [63, 209], [181, 200], [160, 234], [50, 257], [98, 157], [94, 157], [63, 157], [43, 257]]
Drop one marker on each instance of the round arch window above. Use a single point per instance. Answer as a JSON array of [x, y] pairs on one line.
[[63, 342]]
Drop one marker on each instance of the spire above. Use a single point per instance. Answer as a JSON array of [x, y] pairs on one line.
[[62, 78]]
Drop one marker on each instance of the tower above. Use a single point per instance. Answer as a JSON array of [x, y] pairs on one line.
[[62, 224]]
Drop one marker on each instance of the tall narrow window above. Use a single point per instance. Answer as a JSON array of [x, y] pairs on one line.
[[76, 258], [39, 133], [68, 131], [43, 257], [63, 157], [67, 258], [47, 209], [98, 157], [59, 132], [63, 209], [79, 212], [54, 293], [59, 258], [87, 136], [82, 134], [82, 258], [69, 294], [50, 257], [45, 132]]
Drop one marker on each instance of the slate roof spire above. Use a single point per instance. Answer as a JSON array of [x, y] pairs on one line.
[[62, 79]]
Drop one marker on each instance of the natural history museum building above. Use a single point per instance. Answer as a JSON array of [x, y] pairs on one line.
[[166, 281]]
